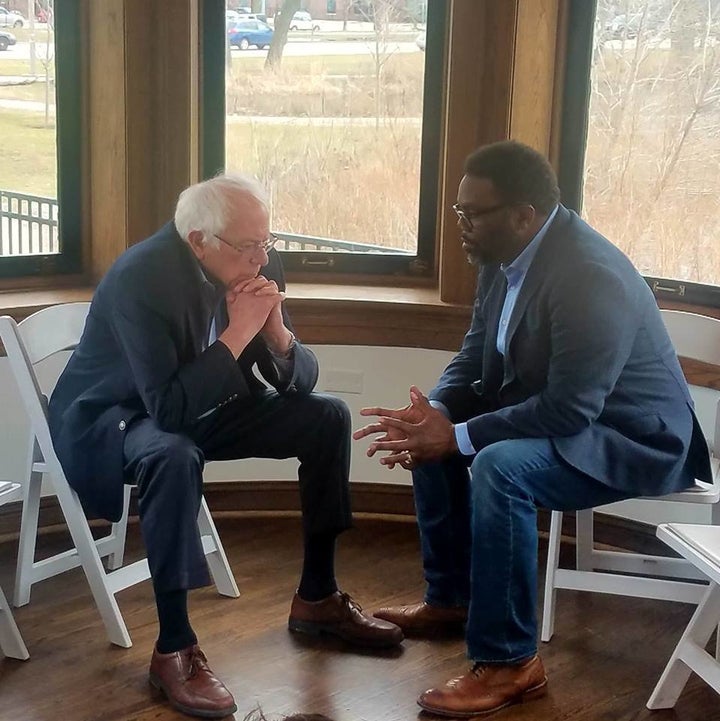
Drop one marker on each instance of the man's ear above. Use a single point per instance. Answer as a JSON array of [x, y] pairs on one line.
[[524, 217], [196, 240]]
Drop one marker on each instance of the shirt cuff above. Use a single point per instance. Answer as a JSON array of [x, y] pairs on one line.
[[462, 438]]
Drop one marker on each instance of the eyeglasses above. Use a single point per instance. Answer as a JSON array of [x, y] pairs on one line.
[[265, 245], [468, 218]]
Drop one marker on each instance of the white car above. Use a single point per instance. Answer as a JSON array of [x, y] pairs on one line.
[[302, 20], [11, 19]]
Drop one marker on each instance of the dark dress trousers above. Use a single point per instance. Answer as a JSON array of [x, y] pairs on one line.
[[588, 364], [144, 399]]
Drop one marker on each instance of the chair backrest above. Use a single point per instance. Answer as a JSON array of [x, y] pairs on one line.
[[694, 336], [697, 337], [36, 338], [53, 329]]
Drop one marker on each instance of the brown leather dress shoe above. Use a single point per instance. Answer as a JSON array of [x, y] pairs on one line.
[[189, 684], [485, 689], [338, 615], [424, 619]]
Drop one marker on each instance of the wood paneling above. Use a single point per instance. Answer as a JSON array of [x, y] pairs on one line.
[[464, 107], [107, 139], [533, 82], [501, 84], [143, 118]]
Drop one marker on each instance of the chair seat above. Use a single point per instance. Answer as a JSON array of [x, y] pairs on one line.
[[700, 544], [700, 492]]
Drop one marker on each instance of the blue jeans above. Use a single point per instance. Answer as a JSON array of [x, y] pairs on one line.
[[478, 533]]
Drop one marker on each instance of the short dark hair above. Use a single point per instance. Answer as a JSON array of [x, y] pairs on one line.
[[519, 173]]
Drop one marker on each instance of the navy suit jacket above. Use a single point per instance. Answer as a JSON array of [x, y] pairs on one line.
[[143, 353], [589, 365]]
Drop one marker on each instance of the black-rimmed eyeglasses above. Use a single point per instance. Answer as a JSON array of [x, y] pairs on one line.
[[468, 217]]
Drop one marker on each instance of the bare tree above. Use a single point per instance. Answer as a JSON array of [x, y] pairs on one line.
[[380, 13], [48, 62], [283, 18]]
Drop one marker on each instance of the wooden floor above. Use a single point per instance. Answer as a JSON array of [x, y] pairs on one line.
[[603, 662]]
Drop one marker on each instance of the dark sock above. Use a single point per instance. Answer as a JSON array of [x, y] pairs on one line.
[[318, 574], [175, 630]]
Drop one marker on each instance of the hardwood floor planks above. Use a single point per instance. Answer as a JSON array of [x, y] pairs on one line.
[[603, 661]]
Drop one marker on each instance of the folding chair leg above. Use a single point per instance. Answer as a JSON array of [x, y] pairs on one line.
[[584, 540], [11, 642], [553, 561], [690, 655], [93, 567], [118, 533], [216, 558], [28, 529]]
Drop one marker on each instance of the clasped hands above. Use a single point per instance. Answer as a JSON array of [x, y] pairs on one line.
[[255, 306], [415, 434]]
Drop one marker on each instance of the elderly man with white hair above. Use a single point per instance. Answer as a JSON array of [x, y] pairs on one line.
[[163, 379]]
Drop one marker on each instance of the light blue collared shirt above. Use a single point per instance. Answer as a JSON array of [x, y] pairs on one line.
[[515, 273]]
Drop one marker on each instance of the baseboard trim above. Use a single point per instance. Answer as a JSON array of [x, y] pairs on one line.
[[392, 501]]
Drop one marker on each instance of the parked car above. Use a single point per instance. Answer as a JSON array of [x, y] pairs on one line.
[[302, 20], [11, 19], [420, 41], [250, 32], [6, 39]]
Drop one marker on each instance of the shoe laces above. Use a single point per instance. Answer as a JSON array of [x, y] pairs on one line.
[[198, 663], [477, 670], [350, 602]]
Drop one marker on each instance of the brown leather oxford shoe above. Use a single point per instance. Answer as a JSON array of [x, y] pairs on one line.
[[338, 615], [485, 689], [424, 619], [189, 684]]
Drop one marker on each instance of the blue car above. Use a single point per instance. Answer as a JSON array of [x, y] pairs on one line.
[[245, 33]]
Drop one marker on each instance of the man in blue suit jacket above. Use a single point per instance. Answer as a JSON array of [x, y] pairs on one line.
[[162, 379], [566, 394]]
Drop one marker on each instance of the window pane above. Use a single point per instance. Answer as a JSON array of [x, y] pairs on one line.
[[28, 189], [653, 149], [334, 132]]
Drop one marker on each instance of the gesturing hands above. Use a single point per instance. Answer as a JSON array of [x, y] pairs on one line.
[[250, 304], [415, 434]]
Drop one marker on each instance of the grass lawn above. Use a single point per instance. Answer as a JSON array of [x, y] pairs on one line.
[[36, 91], [309, 169], [28, 159]]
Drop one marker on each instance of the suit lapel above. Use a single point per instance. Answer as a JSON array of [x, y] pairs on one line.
[[536, 274], [492, 360]]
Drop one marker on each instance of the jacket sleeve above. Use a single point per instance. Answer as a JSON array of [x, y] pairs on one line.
[[304, 363], [593, 323], [175, 395]]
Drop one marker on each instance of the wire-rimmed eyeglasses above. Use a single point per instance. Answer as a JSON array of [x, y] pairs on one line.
[[265, 245]]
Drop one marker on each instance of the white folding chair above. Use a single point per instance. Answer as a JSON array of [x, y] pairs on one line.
[[41, 335], [634, 574], [700, 545], [11, 643]]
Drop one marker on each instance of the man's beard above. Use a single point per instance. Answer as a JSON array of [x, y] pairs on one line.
[[502, 239]]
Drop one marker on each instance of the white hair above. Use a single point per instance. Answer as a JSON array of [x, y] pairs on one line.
[[204, 206]]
